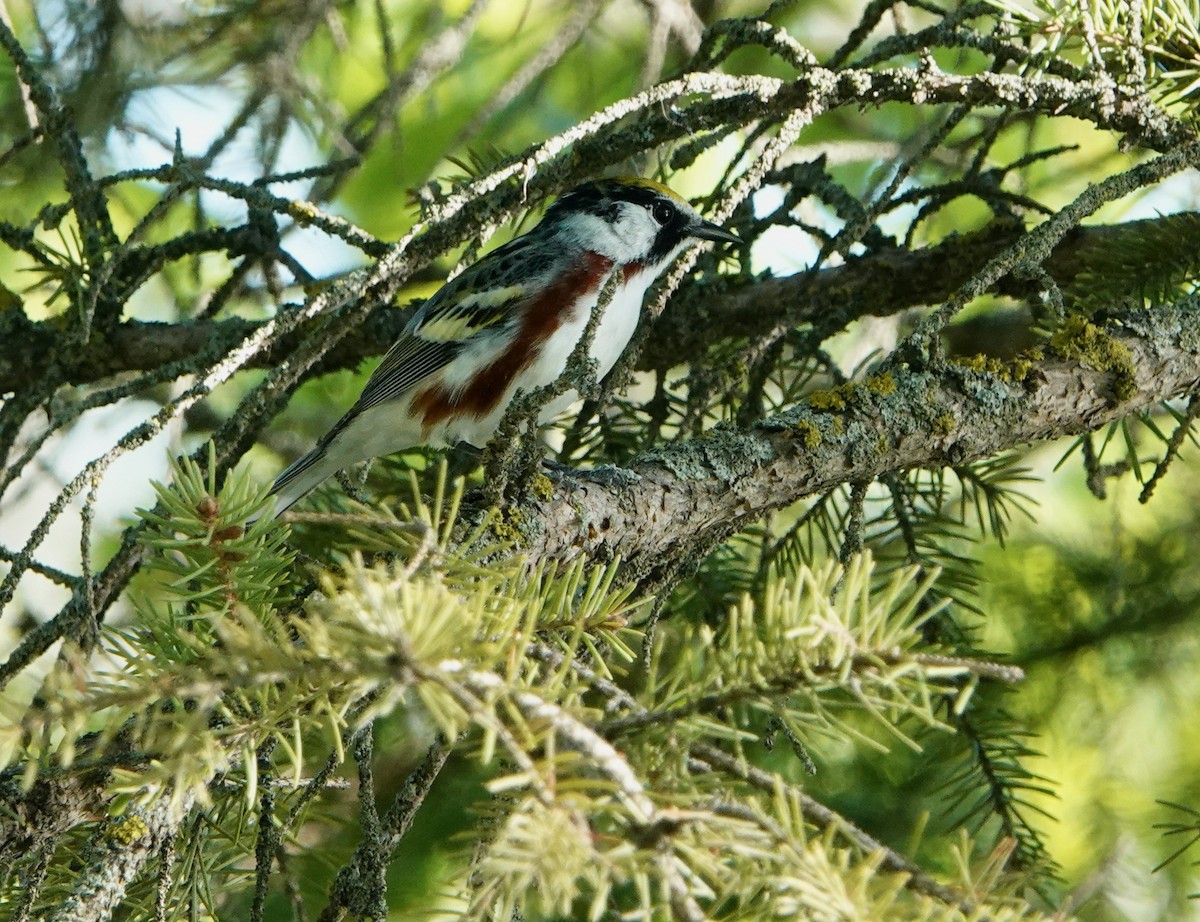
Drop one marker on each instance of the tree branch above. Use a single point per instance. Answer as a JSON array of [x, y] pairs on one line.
[[685, 496], [116, 857], [877, 284]]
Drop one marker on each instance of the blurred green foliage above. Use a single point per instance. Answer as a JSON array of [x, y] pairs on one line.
[[1096, 601]]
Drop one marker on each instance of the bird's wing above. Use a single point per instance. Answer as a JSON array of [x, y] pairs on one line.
[[485, 296], [411, 359]]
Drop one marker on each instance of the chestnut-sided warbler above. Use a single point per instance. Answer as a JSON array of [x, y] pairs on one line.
[[509, 323]]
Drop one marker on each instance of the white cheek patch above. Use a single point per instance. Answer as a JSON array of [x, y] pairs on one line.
[[626, 240], [636, 231]]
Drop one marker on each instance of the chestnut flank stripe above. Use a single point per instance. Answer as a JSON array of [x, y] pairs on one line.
[[540, 317]]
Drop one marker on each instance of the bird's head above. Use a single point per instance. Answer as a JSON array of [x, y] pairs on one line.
[[631, 221]]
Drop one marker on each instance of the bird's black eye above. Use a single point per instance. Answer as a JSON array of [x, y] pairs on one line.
[[663, 213]]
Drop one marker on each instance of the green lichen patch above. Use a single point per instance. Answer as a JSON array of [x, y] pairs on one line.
[[808, 433], [508, 525], [128, 830], [1083, 341], [984, 364], [1011, 371], [304, 213], [882, 385], [542, 487], [842, 396], [943, 425], [1023, 364], [827, 399]]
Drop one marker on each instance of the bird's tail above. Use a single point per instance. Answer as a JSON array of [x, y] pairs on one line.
[[302, 476]]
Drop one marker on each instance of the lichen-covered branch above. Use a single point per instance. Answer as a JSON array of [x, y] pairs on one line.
[[116, 857], [686, 495]]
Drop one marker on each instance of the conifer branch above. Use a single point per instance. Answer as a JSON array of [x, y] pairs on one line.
[[116, 857], [704, 757], [392, 830], [662, 504], [823, 818]]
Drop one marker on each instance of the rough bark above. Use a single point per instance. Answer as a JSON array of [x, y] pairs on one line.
[[689, 494]]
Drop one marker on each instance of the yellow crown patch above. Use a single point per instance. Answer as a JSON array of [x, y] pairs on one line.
[[644, 183]]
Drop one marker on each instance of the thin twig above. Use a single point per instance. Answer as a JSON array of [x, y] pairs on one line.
[[31, 111]]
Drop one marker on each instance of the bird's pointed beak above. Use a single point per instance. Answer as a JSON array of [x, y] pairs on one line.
[[706, 230]]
